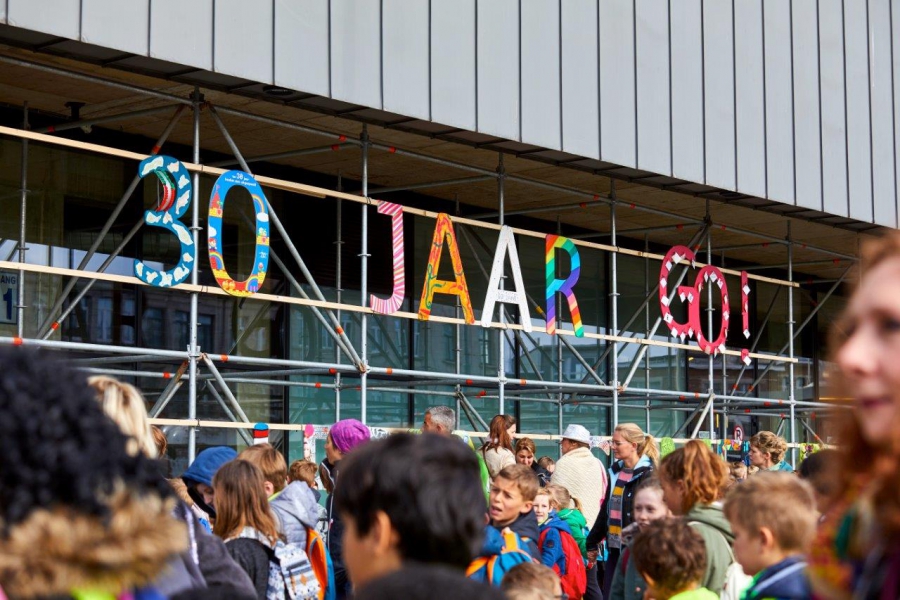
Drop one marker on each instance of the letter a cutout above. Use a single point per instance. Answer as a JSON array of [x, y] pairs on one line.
[[506, 244], [444, 229]]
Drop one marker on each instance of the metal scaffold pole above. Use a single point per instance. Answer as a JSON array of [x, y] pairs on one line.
[[339, 292], [20, 300], [364, 277], [791, 398], [193, 350], [614, 295], [647, 329], [709, 331], [501, 353]]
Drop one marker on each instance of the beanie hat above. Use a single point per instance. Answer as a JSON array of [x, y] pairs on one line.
[[207, 463], [348, 434]]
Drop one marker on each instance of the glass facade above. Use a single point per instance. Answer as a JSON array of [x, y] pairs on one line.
[[72, 193]]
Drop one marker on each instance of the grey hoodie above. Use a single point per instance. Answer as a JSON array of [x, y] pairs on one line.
[[710, 522], [295, 509]]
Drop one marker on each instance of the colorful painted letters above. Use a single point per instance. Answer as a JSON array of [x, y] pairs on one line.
[[392, 304], [563, 286], [444, 229]]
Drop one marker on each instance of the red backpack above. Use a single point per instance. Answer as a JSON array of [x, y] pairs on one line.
[[574, 579]]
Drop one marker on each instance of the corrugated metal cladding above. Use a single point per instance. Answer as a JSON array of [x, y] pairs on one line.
[[793, 100]]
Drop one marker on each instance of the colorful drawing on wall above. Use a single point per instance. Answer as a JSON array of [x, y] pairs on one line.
[[176, 199], [562, 286], [506, 244], [443, 229], [217, 199], [392, 304]]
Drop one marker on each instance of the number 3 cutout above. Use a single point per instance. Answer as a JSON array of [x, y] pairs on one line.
[[177, 189]]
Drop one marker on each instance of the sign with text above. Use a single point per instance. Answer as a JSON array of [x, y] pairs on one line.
[[9, 295]]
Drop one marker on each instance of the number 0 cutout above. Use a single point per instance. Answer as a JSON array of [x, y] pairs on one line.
[[220, 191]]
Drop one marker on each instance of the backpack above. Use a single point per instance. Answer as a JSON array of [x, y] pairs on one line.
[[492, 568], [573, 575], [296, 574]]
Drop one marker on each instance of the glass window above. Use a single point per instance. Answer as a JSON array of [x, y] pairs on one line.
[[152, 328]]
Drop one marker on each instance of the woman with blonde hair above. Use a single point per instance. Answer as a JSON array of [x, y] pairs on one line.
[[767, 452], [857, 550], [498, 448], [635, 455], [124, 404]]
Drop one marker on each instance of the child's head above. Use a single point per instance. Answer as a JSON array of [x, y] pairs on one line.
[[241, 501], [544, 502], [414, 498], [531, 581], [525, 450], [648, 502], [738, 470], [563, 498], [773, 516], [512, 494], [692, 475], [305, 471], [272, 464], [822, 471], [671, 556], [547, 463]]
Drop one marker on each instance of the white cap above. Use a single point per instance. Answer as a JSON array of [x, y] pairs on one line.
[[577, 433]]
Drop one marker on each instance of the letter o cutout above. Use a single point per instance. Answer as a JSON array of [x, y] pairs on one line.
[[214, 224]]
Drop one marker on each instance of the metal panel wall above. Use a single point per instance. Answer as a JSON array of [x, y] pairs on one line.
[[498, 68], [56, 17], [779, 129], [807, 130], [541, 73], [618, 120], [653, 102], [131, 32], [453, 63], [834, 124], [750, 98], [356, 52], [405, 26], [882, 102], [580, 78], [859, 132], [244, 40], [895, 29], [718, 55], [302, 57], [688, 143], [187, 39]]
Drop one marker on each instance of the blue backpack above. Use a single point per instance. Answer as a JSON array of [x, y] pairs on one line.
[[501, 552]]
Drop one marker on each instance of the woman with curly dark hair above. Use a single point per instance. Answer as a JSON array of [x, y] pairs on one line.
[[79, 514], [857, 551]]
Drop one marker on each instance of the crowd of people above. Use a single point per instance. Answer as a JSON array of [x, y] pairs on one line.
[[88, 510]]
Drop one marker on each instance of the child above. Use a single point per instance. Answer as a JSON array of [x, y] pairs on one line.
[[511, 504], [304, 471], [569, 510], [671, 556], [531, 581], [198, 479], [548, 463], [738, 472], [773, 516], [559, 551], [649, 506], [272, 464], [821, 471], [410, 499]]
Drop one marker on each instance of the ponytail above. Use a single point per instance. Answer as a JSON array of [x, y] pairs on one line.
[[577, 504], [563, 498], [650, 449], [644, 442]]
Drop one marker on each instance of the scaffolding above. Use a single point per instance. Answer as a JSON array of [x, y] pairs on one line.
[[201, 371]]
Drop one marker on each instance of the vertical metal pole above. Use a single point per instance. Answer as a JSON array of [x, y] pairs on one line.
[[709, 327], [20, 300], [791, 398], [614, 294], [458, 336], [501, 355], [364, 274], [647, 329], [724, 428], [559, 350], [193, 350], [338, 284]]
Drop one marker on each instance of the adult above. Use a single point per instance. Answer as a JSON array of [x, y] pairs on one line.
[[693, 480], [525, 451], [343, 437], [635, 454], [441, 420], [858, 544], [81, 515], [767, 452], [497, 450], [583, 475]]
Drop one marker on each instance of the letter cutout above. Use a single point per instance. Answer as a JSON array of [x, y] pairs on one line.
[[711, 275], [177, 189], [674, 256], [444, 229], [562, 285], [506, 244], [217, 199], [745, 303], [392, 304]]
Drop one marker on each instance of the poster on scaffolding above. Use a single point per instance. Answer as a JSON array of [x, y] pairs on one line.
[[9, 296]]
